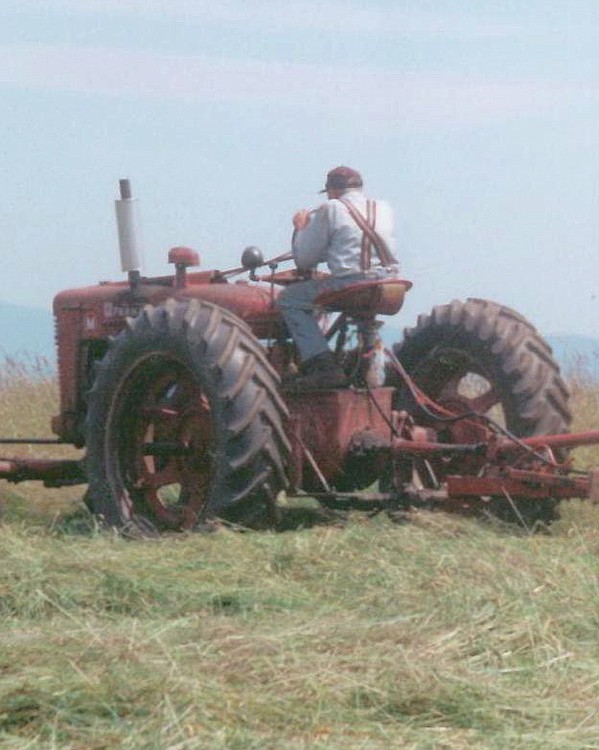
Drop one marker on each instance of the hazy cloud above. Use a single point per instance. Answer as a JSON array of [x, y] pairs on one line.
[[349, 16], [399, 97]]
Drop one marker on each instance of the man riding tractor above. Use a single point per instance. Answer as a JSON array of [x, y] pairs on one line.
[[353, 235]]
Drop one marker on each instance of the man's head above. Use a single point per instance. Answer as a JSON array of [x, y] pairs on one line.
[[341, 179]]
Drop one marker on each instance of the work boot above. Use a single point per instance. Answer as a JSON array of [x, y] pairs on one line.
[[319, 373]]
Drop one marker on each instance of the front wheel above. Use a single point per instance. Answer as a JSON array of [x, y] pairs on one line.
[[185, 422], [478, 356]]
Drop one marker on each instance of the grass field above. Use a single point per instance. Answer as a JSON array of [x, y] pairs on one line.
[[438, 633]]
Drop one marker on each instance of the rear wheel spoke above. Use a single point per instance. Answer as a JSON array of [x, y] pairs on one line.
[[155, 480]]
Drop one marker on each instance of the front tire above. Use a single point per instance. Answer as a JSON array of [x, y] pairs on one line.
[[185, 422]]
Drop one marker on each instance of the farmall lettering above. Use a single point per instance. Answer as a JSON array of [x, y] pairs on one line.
[[119, 310]]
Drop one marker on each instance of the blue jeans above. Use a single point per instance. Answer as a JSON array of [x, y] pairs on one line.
[[296, 303]]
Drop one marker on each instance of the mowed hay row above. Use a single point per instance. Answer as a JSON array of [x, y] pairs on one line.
[[438, 633]]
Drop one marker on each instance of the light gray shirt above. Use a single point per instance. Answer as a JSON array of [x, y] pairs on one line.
[[334, 238]]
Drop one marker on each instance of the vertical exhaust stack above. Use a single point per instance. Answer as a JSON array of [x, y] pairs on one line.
[[127, 221]]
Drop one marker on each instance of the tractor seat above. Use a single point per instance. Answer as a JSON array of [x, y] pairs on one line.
[[367, 298]]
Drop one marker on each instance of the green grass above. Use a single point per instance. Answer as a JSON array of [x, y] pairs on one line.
[[440, 633]]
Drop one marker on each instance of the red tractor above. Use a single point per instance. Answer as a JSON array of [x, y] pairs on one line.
[[172, 386]]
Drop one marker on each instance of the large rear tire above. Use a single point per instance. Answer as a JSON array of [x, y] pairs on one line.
[[185, 422], [482, 357]]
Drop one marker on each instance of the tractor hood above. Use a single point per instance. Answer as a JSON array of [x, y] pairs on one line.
[[101, 310]]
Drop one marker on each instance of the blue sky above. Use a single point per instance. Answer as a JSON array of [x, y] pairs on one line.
[[478, 121]]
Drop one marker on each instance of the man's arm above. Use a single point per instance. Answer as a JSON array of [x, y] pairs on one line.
[[310, 243]]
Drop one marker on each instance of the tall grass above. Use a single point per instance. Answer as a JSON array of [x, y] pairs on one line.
[[438, 633], [28, 401], [585, 401], [28, 396]]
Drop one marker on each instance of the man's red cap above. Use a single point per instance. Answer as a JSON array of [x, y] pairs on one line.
[[342, 178]]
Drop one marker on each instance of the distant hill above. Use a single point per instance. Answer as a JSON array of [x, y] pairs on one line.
[[29, 331]]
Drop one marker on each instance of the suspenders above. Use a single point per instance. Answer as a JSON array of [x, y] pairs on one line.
[[370, 238]]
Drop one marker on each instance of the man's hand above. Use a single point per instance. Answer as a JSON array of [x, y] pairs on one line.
[[301, 219]]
